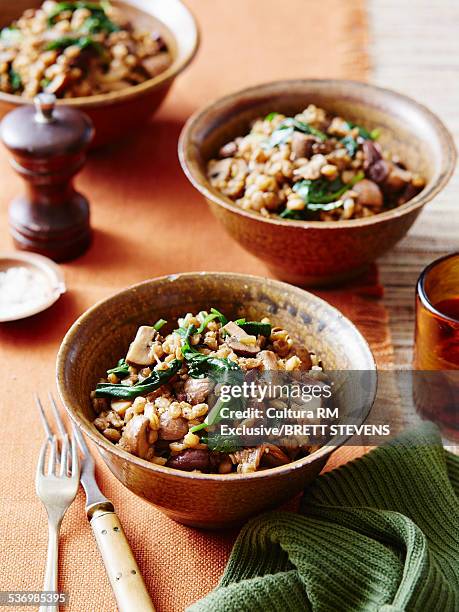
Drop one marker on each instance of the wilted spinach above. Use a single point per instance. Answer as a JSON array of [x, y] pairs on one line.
[[320, 195], [255, 328], [121, 370], [363, 132], [156, 379], [351, 145], [223, 444], [15, 80], [84, 42], [288, 127]]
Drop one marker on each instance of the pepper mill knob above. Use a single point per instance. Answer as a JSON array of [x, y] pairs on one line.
[[48, 144]]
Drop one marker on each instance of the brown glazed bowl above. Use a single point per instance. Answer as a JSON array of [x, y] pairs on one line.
[[98, 338], [318, 252], [116, 114]]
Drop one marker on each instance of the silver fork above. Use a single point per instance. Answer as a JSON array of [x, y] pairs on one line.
[[56, 487]]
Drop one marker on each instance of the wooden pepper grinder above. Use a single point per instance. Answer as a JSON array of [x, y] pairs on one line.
[[48, 144]]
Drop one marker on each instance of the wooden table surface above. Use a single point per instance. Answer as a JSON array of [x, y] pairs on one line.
[[414, 48]]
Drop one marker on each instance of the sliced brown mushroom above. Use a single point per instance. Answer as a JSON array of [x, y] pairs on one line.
[[156, 64], [248, 459], [197, 390], [135, 436], [397, 179], [369, 194], [240, 341], [379, 171], [302, 145], [273, 456], [268, 360], [140, 351], [172, 429], [408, 193], [190, 459], [371, 154]]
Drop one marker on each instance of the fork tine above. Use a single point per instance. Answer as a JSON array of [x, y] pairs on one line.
[[64, 459], [41, 458], [52, 457], [57, 416], [75, 462], [81, 441], [48, 431]]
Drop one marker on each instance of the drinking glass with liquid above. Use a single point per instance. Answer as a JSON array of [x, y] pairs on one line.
[[436, 350]]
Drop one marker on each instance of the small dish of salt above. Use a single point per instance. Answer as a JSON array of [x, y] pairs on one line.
[[29, 284]]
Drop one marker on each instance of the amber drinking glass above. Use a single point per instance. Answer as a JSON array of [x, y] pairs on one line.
[[436, 354]]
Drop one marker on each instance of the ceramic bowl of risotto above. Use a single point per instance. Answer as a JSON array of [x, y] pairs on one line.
[[192, 482], [116, 62], [318, 178]]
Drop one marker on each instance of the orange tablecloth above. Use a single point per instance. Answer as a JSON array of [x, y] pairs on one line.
[[148, 221]]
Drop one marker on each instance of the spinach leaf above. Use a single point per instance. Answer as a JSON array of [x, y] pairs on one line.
[[351, 145], [222, 444], [363, 132], [254, 328], [214, 314], [72, 6], [206, 321], [320, 195], [99, 22], [200, 366], [305, 128], [222, 371], [279, 136], [156, 379], [84, 42], [15, 80], [121, 370], [322, 191], [220, 315], [285, 131]]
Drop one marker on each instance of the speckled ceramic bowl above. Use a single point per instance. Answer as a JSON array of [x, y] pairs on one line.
[[316, 252], [116, 114], [103, 333]]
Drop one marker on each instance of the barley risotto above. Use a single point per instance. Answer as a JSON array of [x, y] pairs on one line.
[[75, 49], [158, 402], [314, 166]]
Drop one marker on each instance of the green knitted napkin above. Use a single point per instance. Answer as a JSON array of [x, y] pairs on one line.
[[378, 534]]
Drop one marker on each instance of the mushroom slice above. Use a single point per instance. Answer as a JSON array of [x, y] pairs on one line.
[[135, 436], [197, 390], [398, 179], [248, 459], [273, 456], [141, 351], [190, 459], [240, 341], [172, 429], [302, 145], [156, 64], [369, 194], [268, 360]]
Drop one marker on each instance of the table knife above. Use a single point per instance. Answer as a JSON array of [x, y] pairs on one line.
[[123, 572]]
